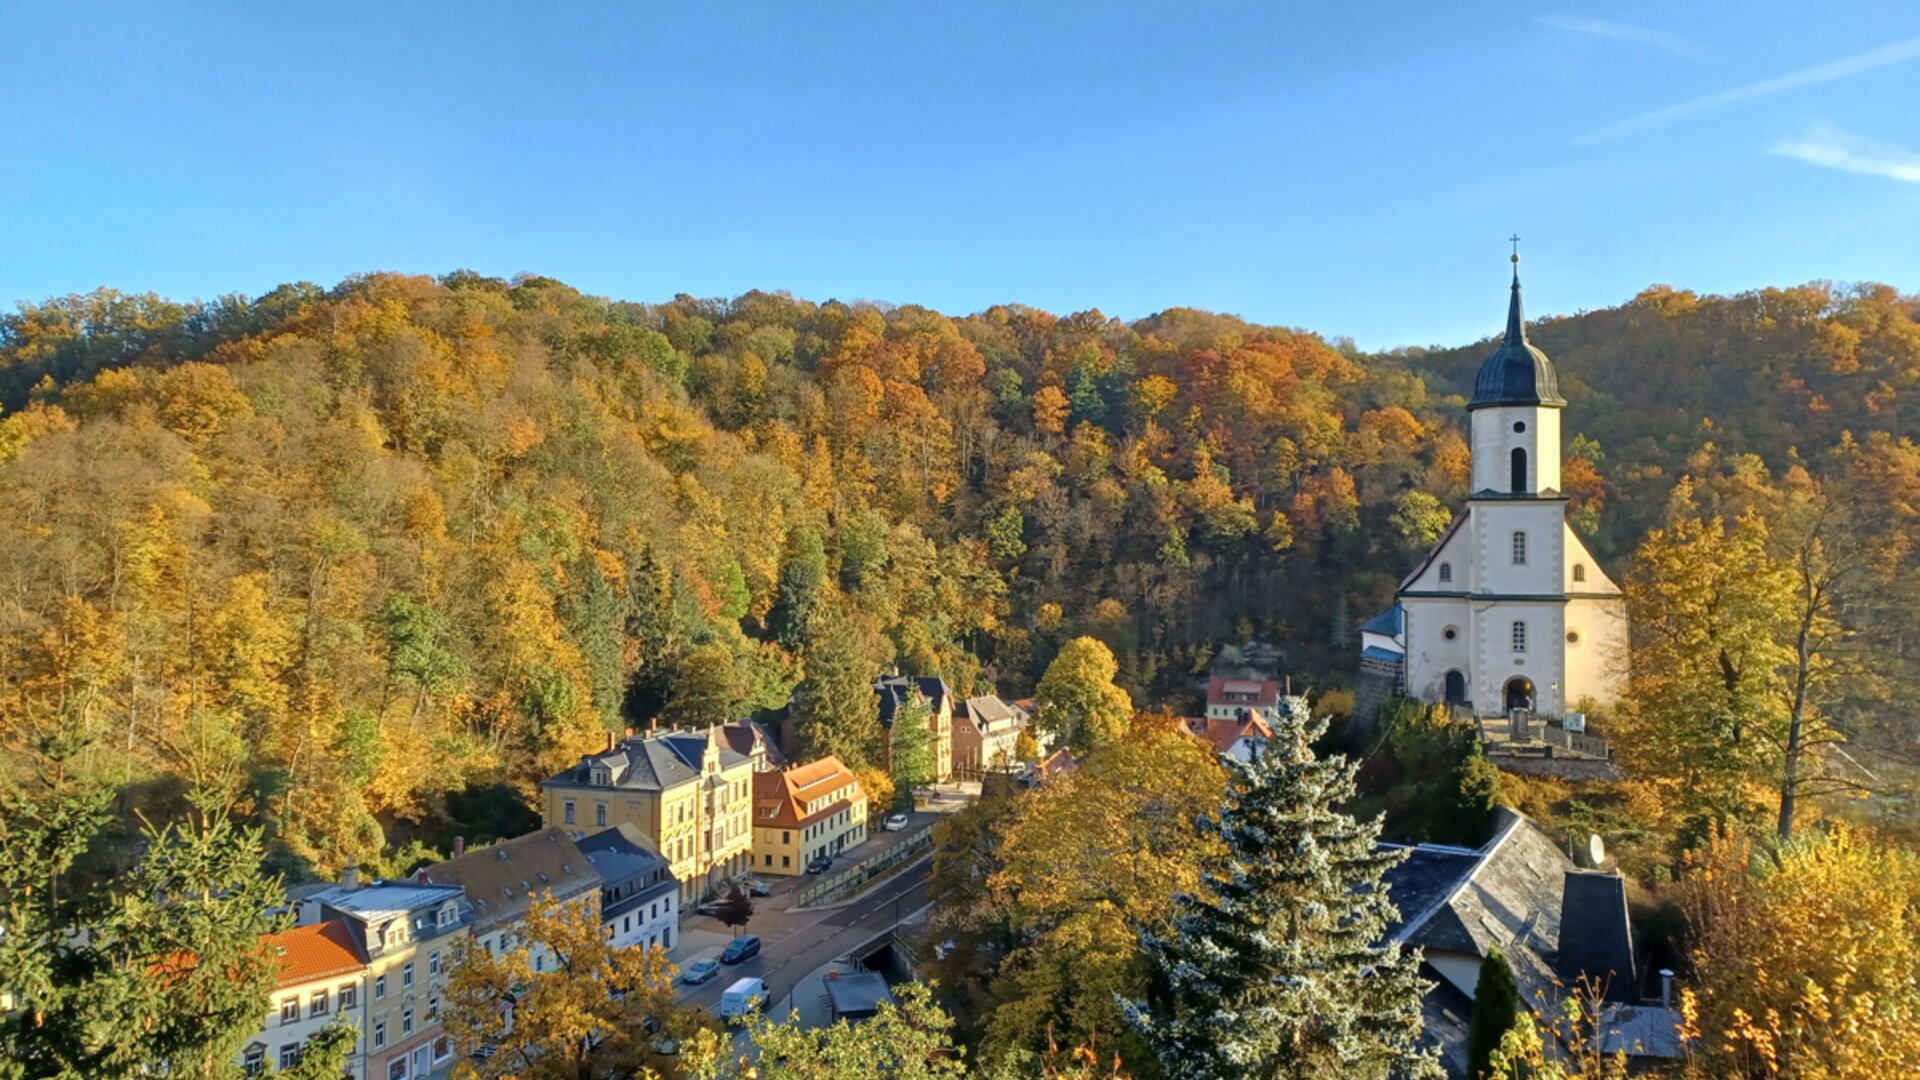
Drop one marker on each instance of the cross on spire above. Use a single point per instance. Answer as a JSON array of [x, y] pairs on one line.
[[1515, 241]]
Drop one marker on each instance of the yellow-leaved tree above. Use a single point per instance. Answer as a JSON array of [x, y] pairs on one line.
[[589, 1010]]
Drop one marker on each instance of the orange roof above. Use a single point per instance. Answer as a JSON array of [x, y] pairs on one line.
[[1222, 734], [320, 951], [779, 796]]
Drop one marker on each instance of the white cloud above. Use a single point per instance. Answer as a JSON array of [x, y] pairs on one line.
[[1886, 56], [1831, 148], [1639, 35]]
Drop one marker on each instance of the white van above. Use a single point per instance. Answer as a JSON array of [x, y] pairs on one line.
[[743, 997]]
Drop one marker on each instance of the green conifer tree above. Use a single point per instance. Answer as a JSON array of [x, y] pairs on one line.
[[1496, 1002], [1281, 965]]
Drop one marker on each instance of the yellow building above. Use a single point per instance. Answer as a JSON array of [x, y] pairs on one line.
[[687, 791], [411, 934], [805, 812], [896, 692]]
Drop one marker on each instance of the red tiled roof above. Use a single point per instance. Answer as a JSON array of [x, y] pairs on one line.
[[778, 796], [1261, 693], [1223, 734], [315, 952]]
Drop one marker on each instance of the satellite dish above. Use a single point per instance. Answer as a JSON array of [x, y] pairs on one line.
[[1594, 851]]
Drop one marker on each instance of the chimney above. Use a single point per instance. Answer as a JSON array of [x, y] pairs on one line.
[[629, 733], [1666, 988], [350, 877], [612, 741], [459, 846]]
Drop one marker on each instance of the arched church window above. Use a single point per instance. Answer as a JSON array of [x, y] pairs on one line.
[[1579, 571], [1446, 571], [1519, 471], [1519, 637], [1519, 548]]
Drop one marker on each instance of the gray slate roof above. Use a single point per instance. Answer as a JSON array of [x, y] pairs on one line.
[[627, 860], [1520, 892], [895, 691], [650, 762]]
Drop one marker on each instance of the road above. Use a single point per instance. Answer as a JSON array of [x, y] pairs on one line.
[[795, 943]]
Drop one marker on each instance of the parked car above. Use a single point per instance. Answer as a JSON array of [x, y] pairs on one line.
[[708, 907], [699, 971], [741, 949], [756, 887], [820, 864], [895, 823]]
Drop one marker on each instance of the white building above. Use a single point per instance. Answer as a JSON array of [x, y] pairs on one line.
[[1509, 609], [321, 979]]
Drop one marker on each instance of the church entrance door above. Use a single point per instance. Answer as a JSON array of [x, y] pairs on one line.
[[1519, 693], [1456, 688]]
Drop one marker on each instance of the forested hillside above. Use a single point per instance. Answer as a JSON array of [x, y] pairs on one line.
[[370, 545]]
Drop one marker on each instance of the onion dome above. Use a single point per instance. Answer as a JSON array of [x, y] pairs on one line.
[[1517, 373]]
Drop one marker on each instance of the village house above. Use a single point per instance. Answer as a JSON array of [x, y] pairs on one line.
[[1227, 697], [410, 933], [806, 812], [689, 792], [1239, 737], [322, 979], [1557, 923], [895, 692], [986, 732], [639, 899], [502, 882]]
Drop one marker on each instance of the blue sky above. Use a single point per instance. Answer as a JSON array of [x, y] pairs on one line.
[[1352, 171]]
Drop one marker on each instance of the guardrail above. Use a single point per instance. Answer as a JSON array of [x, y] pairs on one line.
[[867, 869], [1576, 742]]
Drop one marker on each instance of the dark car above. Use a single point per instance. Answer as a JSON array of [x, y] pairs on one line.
[[820, 864], [741, 949]]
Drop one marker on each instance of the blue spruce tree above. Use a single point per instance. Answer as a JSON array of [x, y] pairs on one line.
[[1281, 967]]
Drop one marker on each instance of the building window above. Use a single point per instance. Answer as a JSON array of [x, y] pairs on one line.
[[406, 1022], [433, 963], [349, 996], [398, 1069], [433, 1008], [786, 861], [442, 1049], [1579, 571], [566, 812], [1446, 571], [289, 1055], [1573, 637], [1519, 637], [379, 986], [290, 1011], [600, 814], [254, 1061], [406, 974], [1519, 471], [379, 1034], [1519, 548], [1450, 633], [318, 1006]]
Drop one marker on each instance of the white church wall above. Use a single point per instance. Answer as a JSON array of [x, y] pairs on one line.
[[1430, 653], [1499, 662], [1496, 571], [1597, 660], [1494, 440]]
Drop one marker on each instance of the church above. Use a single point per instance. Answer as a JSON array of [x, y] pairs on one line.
[[1509, 610]]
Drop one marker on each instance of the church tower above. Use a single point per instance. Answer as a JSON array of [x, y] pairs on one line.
[[1509, 610]]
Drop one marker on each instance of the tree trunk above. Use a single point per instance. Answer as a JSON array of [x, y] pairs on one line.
[[1796, 727]]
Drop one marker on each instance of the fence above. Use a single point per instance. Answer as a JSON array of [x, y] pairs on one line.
[[1575, 742], [867, 869]]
